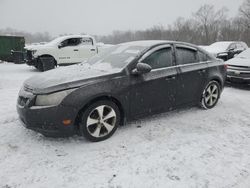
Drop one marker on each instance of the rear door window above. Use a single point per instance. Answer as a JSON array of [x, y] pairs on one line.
[[87, 41], [160, 59], [202, 56], [186, 56]]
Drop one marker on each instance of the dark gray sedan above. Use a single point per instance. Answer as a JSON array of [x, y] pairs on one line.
[[128, 81]]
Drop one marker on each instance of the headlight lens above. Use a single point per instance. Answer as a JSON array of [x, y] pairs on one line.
[[52, 99]]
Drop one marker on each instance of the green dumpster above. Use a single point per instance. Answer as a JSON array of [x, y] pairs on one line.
[[8, 44]]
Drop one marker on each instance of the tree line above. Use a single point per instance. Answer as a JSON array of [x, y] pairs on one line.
[[204, 27]]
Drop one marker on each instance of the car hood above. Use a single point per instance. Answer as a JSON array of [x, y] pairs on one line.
[[66, 78], [213, 50], [38, 47], [238, 61]]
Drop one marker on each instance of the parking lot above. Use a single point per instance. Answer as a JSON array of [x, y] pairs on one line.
[[185, 148]]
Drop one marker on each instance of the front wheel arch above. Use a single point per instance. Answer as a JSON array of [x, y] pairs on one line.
[[48, 55], [100, 98]]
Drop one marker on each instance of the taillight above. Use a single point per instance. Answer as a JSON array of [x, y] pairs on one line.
[[225, 66]]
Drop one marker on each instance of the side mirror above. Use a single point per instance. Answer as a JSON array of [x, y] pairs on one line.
[[142, 68]]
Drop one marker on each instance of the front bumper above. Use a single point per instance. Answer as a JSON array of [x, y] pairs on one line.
[[238, 80], [30, 59], [48, 120], [238, 76], [31, 62]]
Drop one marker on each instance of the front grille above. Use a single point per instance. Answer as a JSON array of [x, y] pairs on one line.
[[29, 55], [25, 101], [22, 101], [26, 97], [238, 71], [238, 68]]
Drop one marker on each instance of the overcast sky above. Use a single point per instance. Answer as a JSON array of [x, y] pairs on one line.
[[99, 16]]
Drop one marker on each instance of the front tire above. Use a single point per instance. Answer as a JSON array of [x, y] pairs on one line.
[[100, 120], [45, 63], [39, 65], [210, 95]]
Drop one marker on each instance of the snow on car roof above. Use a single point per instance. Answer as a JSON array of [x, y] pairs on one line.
[[59, 39], [144, 42], [148, 43], [222, 45], [73, 36]]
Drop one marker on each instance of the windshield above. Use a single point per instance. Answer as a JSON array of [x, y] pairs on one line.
[[245, 54], [116, 57], [56, 41], [220, 45]]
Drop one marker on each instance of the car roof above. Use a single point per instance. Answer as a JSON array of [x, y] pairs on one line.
[[73, 36], [227, 42], [152, 43]]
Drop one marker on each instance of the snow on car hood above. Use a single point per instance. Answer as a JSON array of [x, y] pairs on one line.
[[214, 50], [65, 78], [37, 47], [239, 61]]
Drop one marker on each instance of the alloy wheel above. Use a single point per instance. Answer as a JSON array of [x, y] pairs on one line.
[[211, 94], [101, 121]]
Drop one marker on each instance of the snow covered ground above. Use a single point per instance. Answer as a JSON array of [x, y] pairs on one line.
[[186, 148]]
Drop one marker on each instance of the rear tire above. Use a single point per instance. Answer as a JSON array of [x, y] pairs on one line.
[[100, 120], [210, 95]]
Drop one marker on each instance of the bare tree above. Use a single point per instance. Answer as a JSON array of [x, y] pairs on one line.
[[209, 20], [245, 13]]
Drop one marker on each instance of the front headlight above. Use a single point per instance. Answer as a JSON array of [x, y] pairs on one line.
[[52, 99], [34, 53]]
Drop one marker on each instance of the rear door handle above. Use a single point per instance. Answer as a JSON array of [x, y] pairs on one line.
[[170, 78], [92, 50], [76, 50]]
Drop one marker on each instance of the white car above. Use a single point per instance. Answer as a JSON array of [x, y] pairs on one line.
[[226, 50], [64, 50], [239, 68]]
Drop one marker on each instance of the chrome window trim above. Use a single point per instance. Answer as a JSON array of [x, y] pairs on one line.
[[187, 47], [180, 66], [170, 46]]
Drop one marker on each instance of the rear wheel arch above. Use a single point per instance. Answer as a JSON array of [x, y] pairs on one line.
[[217, 80]]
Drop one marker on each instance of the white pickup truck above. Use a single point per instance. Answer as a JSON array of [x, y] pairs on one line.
[[64, 50]]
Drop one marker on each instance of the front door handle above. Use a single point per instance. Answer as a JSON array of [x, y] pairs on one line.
[[170, 78], [76, 50], [92, 50]]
